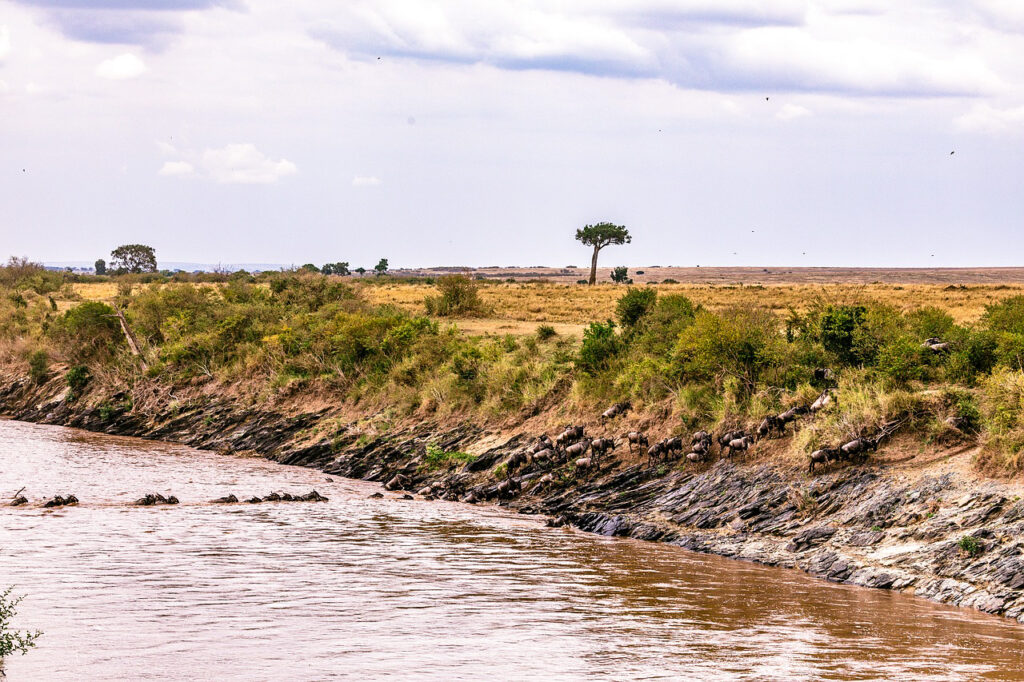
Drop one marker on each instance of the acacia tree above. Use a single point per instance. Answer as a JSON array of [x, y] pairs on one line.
[[381, 267], [133, 258], [101, 266], [600, 236]]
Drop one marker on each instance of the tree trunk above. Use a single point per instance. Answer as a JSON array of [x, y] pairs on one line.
[[133, 345], [593, 266]]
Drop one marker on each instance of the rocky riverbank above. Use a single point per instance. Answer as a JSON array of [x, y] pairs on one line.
[[947, 537]]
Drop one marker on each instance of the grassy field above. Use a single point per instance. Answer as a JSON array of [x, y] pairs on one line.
[[518, 308]]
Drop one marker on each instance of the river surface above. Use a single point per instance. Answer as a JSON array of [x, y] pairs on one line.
[[360, 588]]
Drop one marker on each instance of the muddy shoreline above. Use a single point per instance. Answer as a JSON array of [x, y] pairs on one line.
[[858, 525]]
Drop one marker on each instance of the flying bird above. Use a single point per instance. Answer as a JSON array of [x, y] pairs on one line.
[[952, 152]]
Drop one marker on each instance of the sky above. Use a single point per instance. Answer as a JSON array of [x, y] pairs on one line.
[[720, 132]]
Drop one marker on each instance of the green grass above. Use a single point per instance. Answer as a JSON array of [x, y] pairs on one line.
[[438, 458]]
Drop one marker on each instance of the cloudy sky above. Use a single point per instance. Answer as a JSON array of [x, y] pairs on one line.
[[721, 132]]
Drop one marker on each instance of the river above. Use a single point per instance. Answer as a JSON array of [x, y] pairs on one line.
[[363, 588]]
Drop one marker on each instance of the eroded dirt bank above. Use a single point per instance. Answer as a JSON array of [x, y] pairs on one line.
[[945, 536]]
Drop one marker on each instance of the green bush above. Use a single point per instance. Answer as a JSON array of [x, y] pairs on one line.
[[88, 329], [600, 345], [12, 641], [970, 545], [742, 343], [930, 322], [899, 360], [633, 305], [457, 295], [545, 332], [38, 366], [837, 328], [78, 377], [437, 458], [1006, 316]]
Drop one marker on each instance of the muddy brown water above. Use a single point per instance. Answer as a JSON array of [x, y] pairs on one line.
[[360, 588]]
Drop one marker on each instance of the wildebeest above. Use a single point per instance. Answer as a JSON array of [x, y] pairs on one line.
[[738, 445], [769, 425], [823, 401], [615, 410], [543, 443], [792, 413], [397, 482], [823, 374], [508, 488], [696, 456], [655, 452], [544, 456], [858, 447], [59, 501], [516, 461], [570, 435], [577, 449], [728, 437], [936, 345], [584, 463], [638, 439], [822, 456], [599, 446], [673, 445]]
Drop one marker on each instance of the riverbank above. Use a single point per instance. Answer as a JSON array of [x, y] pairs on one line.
[[936, 531]]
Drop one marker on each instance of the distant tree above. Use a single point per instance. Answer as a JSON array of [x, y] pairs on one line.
[[381, 267], [335, 268], [361, 271], [620, 275], [134, 258], [309, 267], [600, 236], [101, 266]]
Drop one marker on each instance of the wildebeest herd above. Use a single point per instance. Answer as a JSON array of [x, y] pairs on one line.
[[574, 445]]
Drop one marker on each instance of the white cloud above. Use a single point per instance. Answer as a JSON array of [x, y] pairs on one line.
[[791, 111], [177, 168], [5, 41], [365, 181], [230, 164], [984, 118], [121, 67], [4, 88], [244, 164]]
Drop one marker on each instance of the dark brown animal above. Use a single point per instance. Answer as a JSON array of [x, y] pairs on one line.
[[769, 425], [738, 445], [655, 452], [615, 410], [600, 446], [638, 439], [822, 456]]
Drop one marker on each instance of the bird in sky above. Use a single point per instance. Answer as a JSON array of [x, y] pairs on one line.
[[952, 152]]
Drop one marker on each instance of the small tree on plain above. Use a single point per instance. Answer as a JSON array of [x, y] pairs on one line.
[[599, 236], [101, 266], [134, 258], [620, 275], [361, 271], [381, 267]]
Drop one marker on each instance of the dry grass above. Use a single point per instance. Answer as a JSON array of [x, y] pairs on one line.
[[579, 305], [520, 307]]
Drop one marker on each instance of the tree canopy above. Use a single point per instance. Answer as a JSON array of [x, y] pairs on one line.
[[599, 236], [382, 266], [133, 258]]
